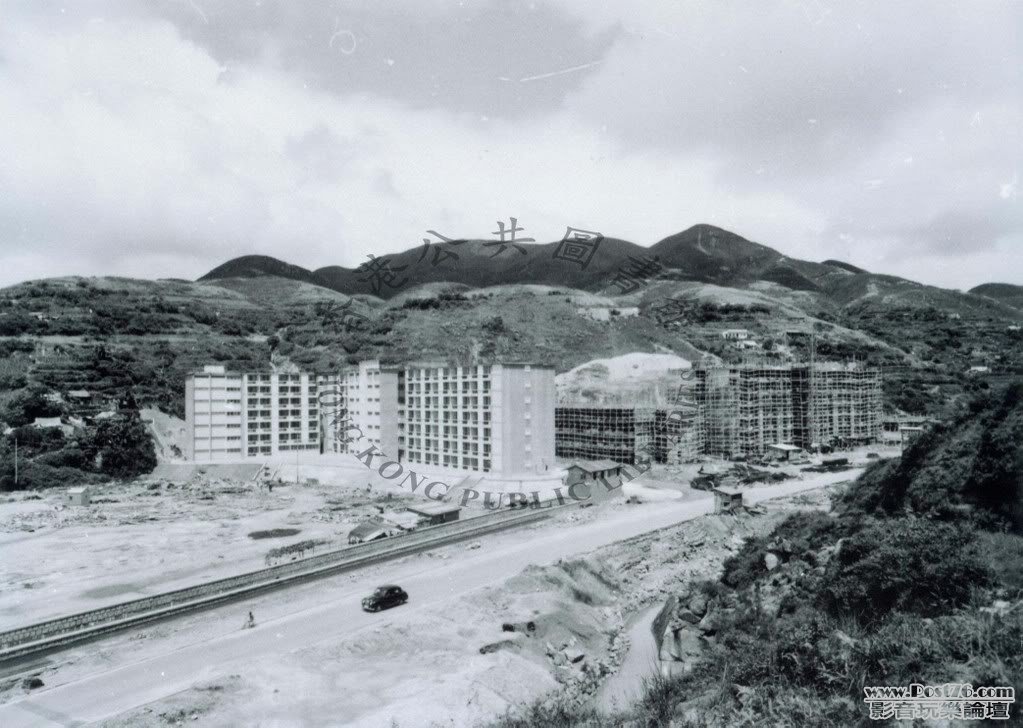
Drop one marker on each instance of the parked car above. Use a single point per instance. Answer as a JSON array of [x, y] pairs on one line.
[[384, 597]]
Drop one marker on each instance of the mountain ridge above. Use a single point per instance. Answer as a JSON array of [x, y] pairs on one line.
[[702, 253]]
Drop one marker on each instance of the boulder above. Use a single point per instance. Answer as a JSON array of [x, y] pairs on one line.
[[708, 625], [683, 646], [574, 655], [771, 561], [698, 604], [688, 617]]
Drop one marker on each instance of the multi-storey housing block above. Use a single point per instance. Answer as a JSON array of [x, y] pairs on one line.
[[234, 415]]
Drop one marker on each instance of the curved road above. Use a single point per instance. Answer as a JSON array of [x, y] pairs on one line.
[[113, 691]]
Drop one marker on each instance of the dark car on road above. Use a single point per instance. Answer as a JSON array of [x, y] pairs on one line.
[[384, 597]]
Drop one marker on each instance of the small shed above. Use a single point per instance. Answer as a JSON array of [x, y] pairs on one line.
[[78, 496], [727, 499], [433, 514], [370, 531], [402, 519], [782, 451], [594, 470]]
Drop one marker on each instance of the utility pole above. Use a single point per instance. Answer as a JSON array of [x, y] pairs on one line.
[[812, 410]]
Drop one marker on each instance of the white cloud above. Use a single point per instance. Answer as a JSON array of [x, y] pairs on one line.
[[138, 145]]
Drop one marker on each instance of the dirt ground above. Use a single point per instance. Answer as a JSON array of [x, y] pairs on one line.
[[140, 539], [555, 628], [136, 540]]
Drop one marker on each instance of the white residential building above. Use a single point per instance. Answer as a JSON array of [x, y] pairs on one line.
[[368, 395], [491, 419], [488, 419], [231, 415]]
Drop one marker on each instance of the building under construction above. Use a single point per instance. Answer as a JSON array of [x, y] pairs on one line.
[[629, 434], [730, 410], [748, 407], [604, 432]]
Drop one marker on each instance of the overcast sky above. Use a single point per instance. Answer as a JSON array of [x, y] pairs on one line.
[[160, 139]]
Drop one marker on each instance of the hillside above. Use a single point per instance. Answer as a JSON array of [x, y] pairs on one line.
[[256, 266], [112, 335], [915, 577], [702, 253], [1002, 292], [108, 334]]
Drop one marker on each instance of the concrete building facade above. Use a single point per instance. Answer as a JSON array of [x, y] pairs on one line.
[[231, 415], [629, 435], [490, 419]]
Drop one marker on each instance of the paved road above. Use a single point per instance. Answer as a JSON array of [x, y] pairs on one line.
[[115, 690]]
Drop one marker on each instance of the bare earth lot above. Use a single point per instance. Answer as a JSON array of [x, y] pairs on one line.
[[133, 541], [316, 659]]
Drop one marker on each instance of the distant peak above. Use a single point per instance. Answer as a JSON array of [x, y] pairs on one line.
[[844, 266], [253, 266]]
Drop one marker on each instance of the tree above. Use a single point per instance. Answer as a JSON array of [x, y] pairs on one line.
[[28, 404], [124, 446]]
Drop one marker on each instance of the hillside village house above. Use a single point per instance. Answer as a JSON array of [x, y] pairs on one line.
[[735, 334], [43, 423]]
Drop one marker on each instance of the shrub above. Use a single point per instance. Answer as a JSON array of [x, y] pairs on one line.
[[68, 457], [907, 565]]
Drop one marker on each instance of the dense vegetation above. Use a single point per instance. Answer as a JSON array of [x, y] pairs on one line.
[[917, 578], [119, 447]]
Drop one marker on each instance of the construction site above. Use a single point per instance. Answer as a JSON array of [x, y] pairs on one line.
[[732, 411]]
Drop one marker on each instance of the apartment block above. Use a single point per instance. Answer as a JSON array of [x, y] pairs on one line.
[[837, 404], [233, 415], [748, 407], [492, 419], [369, 395], [605, 432]]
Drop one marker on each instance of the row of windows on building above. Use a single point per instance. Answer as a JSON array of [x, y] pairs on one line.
[[435, 374], [450, 461], [473, 387]]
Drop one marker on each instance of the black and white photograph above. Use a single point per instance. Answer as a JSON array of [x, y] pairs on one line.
[[511, 363]]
